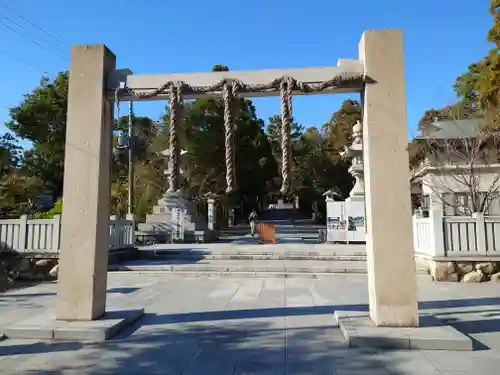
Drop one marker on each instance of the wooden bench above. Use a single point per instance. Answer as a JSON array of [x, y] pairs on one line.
[[267, 232]]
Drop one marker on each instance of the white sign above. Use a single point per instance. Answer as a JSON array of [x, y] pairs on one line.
[[178, 224], [345, 221], [211, 216]]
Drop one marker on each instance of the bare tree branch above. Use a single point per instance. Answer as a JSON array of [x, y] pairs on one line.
[[458, 166]]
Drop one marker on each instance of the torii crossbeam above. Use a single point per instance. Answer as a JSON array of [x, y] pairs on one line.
[[145, 82]]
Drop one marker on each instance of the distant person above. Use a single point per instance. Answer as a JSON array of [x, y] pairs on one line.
[[252, 218]]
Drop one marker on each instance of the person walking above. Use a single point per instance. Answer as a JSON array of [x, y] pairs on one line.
[[252, 218]]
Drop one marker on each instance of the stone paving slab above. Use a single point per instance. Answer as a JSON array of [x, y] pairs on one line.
[[256, 326], [359, 331], [46, 327]]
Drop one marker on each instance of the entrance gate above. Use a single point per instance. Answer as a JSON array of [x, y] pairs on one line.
[[95, 85]]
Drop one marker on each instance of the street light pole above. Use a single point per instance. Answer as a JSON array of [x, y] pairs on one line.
[[130, 159]]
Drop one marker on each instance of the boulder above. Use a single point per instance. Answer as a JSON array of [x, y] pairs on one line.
[[464, 267], [443, 271], [488, 268], [42, 263], [42, 268], [24, 265], [3, 279], [54, 271], [476, 276], [495, 277]]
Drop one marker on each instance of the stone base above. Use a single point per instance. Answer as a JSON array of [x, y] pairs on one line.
[[359, 331], [46, 327]]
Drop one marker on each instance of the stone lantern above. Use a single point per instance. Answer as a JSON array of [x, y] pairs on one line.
[[354, 152]]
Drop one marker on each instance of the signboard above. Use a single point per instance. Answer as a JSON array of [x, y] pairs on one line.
[[211, 216], [230, 218], [355, 222], [178, 224], [345, 221]]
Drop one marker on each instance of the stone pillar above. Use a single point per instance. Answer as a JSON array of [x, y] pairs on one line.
[[389, 242], [85, 222], [211, 213]]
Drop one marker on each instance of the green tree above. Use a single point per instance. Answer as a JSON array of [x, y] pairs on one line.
[[204, 128], [17, 193], [338, 131], [41, 119], [479, 88], [10, 154]]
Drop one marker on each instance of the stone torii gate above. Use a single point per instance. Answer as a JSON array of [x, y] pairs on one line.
[[84, 237]]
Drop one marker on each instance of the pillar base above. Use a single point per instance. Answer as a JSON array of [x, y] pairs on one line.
[[432, 334], [47, 327]]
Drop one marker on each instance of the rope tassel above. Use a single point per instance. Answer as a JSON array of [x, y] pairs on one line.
[[286, 88], [228, 91]]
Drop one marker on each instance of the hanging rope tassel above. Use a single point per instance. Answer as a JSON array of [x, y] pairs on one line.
[[286, 88], [228, 91], [173, 165]]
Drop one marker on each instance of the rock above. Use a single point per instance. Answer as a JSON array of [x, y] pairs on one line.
[[463, 268], [453, 277], [42, 268], [487, 267], [31, 276], [476, 276], [54, 271], [443, 271], [42, 263], [3, 279], [24, 265], [495, 277]]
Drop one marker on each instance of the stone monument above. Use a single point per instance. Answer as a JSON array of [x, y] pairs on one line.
[[162, 220]]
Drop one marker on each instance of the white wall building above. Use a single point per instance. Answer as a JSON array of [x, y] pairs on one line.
[[453, 178]]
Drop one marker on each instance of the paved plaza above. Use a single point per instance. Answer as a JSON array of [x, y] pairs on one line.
[[230, 325]]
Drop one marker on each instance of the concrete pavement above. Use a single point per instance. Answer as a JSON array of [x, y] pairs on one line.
[[250, 326]]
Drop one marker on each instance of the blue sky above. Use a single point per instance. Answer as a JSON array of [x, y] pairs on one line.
[[152, 36]]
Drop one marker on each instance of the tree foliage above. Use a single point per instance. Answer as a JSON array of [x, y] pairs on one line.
[[339, 129], [41, 119]]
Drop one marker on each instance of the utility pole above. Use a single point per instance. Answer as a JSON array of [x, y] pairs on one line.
[[130, 159]]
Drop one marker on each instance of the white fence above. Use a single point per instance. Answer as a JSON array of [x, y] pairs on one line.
[[457, 236], [43, 235]]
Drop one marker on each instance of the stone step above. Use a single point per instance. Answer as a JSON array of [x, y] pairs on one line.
[[247, 255], [241, 267], [339, 258], [251, 248]]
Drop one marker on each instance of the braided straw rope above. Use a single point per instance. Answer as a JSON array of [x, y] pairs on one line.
[[227, 95], [286, 87], [173, 163], [229, 89]]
